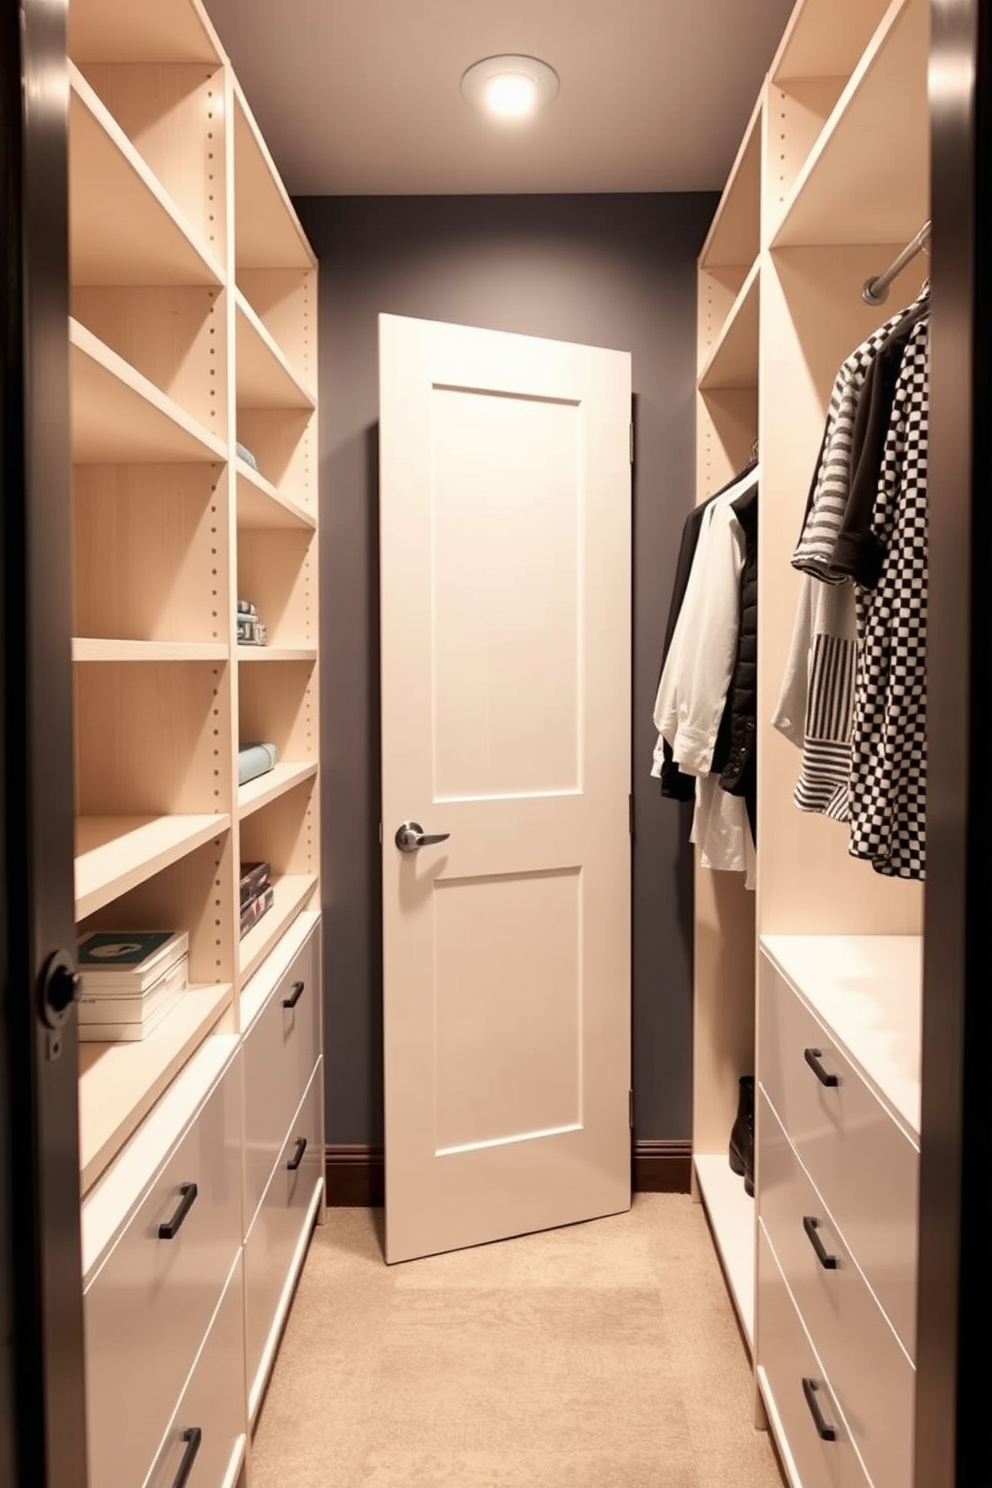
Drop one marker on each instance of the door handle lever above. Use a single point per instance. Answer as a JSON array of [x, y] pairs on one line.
[[411, 835]]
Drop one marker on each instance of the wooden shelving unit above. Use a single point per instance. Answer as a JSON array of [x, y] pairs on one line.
[[120, 1083], [262, 507], [121, 417], [193, 325], [116, 853], [292, 892], [268, 788], [833, 171]]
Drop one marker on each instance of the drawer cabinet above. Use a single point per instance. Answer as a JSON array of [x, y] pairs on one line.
[[281, 1049], [278, 1227], [147, 1308], [811, 1430], [869, 1371], [208, 1431], [864, 1165]]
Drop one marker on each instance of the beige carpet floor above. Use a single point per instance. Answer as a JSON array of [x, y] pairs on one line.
[[605, 1355]]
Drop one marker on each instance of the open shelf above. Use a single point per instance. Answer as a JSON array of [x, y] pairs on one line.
[[85, 648], [734, 236], [291, 892], [267, 233], [123, 226], [260, 505], [123, 31], [276, 782], [119, 1083], [116, 853], [731, 1217], [862, 181], [825, 38], [277, 653], [118, 416], [264, 377], [733, 361]]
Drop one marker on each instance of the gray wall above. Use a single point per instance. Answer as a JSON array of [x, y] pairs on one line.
[[615, 271]]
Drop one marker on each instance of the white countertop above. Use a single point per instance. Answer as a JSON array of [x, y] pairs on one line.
[[868, 989]]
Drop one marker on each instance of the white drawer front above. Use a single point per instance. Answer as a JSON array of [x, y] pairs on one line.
[[872, 1378], [210, 1423], [281, 1048], [785, 1358], [863, 1164], [279, 1223], [147, 1308]]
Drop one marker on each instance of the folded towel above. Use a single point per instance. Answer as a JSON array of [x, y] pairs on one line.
[[255, 760]]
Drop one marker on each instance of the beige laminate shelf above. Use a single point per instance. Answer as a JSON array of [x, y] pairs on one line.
[[862, 182], [734, 235], [825, 38], [267, 232], [123, 31], [731, 1215], [283, 777], [260, 505], [87, 649], [119, 417], [290, 892], [116, 853], [264, 377], [733, 361], [120, 1083], [276, 653], [123, 226]]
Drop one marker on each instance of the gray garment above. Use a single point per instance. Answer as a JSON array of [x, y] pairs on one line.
[[832, 485]]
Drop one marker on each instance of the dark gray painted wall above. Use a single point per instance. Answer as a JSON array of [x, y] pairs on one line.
[[615, 271]]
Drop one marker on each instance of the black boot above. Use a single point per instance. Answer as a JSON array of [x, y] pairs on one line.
[[742, 1135]]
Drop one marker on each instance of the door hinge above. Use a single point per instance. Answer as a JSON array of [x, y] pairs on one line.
[[631, 444], [380, 834], [630, 1108], [630, 814]]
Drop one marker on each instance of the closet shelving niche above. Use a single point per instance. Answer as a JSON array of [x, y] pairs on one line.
[[192, 327], [727, 425], [840, 186]]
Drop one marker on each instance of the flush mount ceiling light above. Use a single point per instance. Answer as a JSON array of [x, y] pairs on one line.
[[510, 88]]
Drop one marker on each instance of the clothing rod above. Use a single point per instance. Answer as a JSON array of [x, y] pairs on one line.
[[876, 290]]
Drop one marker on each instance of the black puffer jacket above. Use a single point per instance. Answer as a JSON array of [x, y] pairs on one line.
[[735, 757]]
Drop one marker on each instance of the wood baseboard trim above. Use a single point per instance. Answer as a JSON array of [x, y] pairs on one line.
[[356, 1176], [356, 1173], [661, 1167]]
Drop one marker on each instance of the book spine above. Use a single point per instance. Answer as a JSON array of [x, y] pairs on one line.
[[254, 881], [255, 909]]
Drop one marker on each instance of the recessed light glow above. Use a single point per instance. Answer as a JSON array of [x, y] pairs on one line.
[[510, 89], [510, 95]]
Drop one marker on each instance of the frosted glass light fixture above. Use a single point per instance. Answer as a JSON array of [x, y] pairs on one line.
[[510, 88]]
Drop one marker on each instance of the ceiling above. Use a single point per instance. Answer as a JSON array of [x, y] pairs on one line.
[[361, 97]]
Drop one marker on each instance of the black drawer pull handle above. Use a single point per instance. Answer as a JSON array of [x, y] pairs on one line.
[[192, 1436], [812, 1227], [823, 1431], [297, 1157], [295, 995], [812, 1058], [187, 1198]]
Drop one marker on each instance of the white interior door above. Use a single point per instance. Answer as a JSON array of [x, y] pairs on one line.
[[505, 581]]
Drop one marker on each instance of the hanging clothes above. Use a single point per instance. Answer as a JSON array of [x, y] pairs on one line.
[[674, 784], [853, 696], [691, 708]]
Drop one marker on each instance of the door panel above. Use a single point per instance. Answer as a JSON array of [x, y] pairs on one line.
[[505, 579]]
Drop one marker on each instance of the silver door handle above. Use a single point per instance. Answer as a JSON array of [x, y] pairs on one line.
[[411, 835]]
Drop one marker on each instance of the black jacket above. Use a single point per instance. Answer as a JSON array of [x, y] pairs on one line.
[[735, 754]]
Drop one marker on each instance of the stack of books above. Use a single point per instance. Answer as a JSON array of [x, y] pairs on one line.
[[256, 894], [251, 630], [130, 980]]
